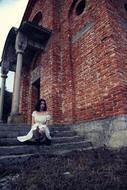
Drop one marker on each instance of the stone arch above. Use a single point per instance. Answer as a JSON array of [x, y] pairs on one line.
[[38, 18], [79, 5], [75, 13], [72, 7]]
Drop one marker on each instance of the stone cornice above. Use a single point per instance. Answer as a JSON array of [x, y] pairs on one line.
[[28, 39]]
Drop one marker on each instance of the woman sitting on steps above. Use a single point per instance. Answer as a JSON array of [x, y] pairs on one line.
[[39, 131]]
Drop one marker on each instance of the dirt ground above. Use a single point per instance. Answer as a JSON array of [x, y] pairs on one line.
[[101, 169]]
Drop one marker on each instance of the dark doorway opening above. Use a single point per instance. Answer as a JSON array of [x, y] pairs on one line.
[[36, 91]]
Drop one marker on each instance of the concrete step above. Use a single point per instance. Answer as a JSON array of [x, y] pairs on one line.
[[64, 141], [13, 159], [13, 141], [14, 127], [17, 159], [27, 127], [32, 149], [12, 134], [19, 130], [63, 133]]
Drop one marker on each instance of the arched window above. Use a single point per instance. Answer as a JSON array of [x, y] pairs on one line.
[[125, 6], [78, 6], [37, 19], [72, 6]]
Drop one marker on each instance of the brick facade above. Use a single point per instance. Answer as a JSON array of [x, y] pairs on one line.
[[83, 70]]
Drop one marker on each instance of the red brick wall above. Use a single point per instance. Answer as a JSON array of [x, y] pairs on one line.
[[87, 68], [83, 68], [93, 62], [45, 61], [118, 15], [24, 97]]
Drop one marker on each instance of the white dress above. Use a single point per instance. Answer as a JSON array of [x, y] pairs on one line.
[[40, 123]]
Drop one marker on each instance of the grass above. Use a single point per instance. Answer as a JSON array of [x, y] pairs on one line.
[[102, 169]]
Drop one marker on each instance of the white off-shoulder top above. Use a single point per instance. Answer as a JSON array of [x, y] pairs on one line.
[[40, 118]]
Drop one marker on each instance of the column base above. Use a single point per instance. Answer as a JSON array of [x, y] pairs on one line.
[[15, 118], [1, 121]]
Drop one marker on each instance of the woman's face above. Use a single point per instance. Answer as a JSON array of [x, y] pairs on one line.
[[42, 106]]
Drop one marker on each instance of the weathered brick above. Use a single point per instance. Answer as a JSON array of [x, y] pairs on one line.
[[83, 71]]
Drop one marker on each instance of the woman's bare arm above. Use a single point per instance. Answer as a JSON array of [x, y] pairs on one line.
[[33, 121], [49, 120]]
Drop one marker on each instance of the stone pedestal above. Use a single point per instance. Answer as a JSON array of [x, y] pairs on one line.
[[15, 118], [110, 132]]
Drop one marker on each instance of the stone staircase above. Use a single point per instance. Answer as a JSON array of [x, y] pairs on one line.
[[64, 140]]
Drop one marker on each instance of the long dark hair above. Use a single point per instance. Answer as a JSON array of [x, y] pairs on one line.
[[37, 106]]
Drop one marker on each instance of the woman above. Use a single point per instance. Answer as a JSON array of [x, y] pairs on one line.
[[39, 130]]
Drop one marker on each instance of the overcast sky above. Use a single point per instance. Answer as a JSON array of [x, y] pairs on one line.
[[11, 13]]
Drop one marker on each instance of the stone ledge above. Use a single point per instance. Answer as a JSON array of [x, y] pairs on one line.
[[111, 131]]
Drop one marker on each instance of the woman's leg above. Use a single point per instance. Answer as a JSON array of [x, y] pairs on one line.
[[47, 133], [36, 134], [29, 135], [26, 137]]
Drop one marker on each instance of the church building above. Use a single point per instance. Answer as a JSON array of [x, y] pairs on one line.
[[72, 53]]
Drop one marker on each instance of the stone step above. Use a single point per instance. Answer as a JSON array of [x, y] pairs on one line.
[[7, 134], [64, 141], [19, 131], [27, 128], [14, 127], [17, 159], [13, 141], [30, 149], [13, 159], [11, 134], [63, 133]]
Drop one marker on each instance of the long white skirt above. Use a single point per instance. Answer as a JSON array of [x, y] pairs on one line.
[[29, 136]]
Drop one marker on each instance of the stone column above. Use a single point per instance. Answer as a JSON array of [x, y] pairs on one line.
[[16, 93], [20, 46], [3, 81]]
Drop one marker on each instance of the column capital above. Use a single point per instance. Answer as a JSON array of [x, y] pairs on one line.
[[5, 67], [19, 51], [20, 43]]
